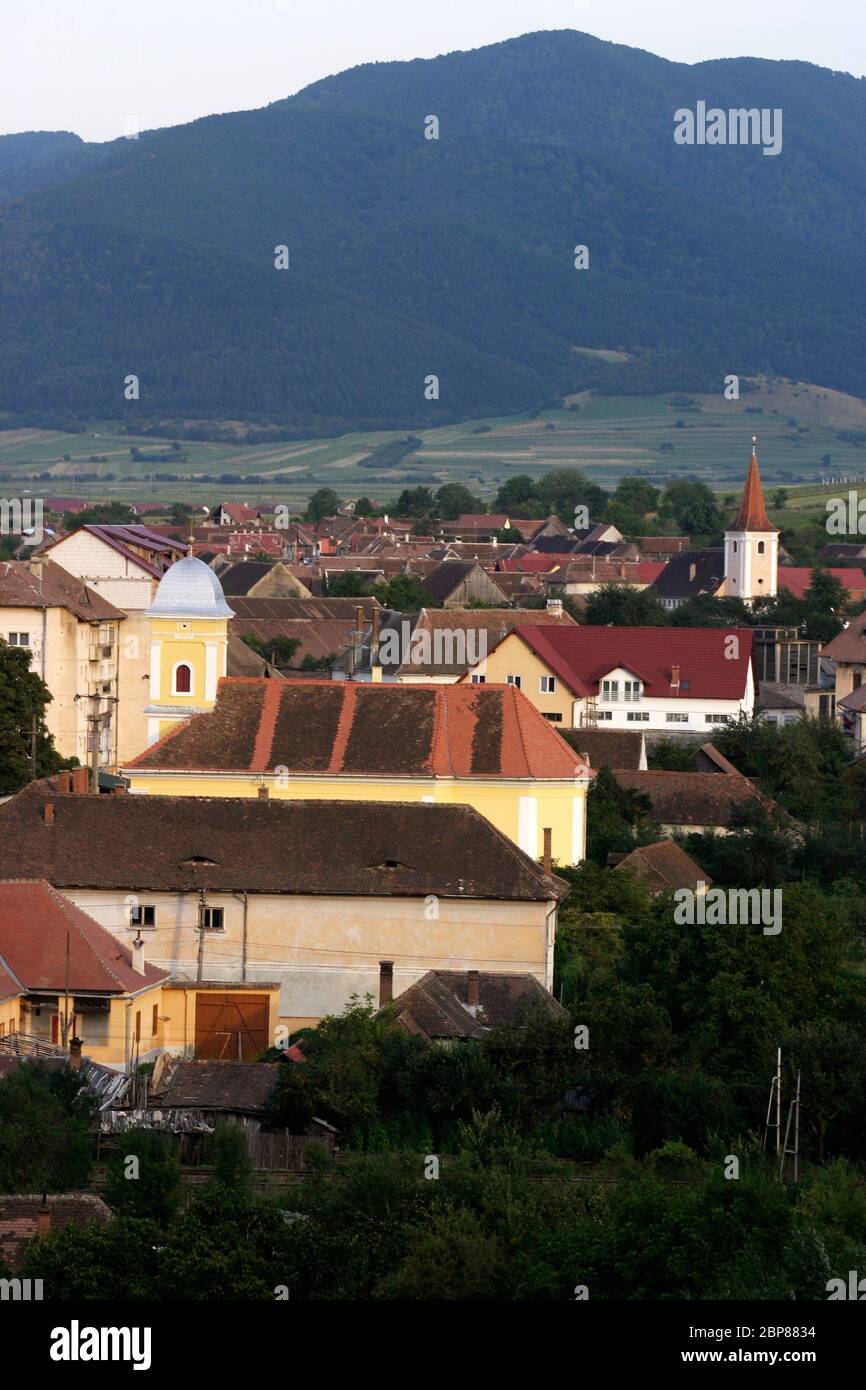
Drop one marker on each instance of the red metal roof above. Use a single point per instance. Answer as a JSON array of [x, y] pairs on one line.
[[797, 579], [582, 656]]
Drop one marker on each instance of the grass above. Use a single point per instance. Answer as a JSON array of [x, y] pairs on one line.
[[607, 437]]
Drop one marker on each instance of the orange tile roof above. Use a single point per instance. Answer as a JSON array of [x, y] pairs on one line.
[[361, 729]]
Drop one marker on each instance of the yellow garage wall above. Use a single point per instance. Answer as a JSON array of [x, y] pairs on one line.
[[178, 1010], [10, 1010]]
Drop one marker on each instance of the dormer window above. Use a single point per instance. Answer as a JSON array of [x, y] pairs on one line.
[[610, 690], [182, 680], [631, 692]]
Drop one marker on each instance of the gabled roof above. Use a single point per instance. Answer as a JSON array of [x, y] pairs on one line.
[[664, 866], [230, 844], [850, 643], [582, 656], [448, 576], [128, 541], [690, 573], [610, 747], [752, 515], [43, 584], [437, 1005], [36, 922], [692, 798], [332, 728], [456, 633]]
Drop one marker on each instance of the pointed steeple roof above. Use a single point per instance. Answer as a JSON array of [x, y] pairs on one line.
[[752, 515]]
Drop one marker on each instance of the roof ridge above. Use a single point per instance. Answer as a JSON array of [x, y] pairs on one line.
[[343, 731], [268, 715]]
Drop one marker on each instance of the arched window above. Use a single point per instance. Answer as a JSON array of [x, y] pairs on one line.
[[760, 547], [182, 680], [735, 547]]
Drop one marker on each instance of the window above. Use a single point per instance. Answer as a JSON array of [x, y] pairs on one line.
[[760, 547], [19, 639], [631, 692], [677, 718], [554, 718], [717, 718], [604, 714], [154, 1027], [735, 547], [142, 916], [182, 680], [857, 680], [637, 716], [610, 690], [548, 685], [479, 680], [212, 919], [516, 681]]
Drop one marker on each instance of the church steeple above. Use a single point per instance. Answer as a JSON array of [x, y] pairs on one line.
[[751, 543], [752, 515]]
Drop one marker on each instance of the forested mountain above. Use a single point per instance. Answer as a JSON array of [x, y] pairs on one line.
[[454, 257]]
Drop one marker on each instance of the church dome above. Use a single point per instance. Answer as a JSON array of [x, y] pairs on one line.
[[189, 589]]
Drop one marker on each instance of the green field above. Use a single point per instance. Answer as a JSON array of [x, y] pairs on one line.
[[607, 437]]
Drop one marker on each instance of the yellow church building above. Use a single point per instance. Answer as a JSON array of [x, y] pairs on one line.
[[188, 645]]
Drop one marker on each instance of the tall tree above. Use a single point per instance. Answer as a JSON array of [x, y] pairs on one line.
[[23, 701]]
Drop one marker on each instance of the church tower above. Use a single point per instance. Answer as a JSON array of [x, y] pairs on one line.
[[188, 645], [751, 544]]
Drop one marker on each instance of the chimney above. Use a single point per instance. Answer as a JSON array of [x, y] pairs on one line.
[[675, 678], [554, 607], [548, 849], [75, 1054], [138, 955], [79, 780], [375, 667], [48, 813], [473, 991], [43, 1217], [386, 982], [263, 793]]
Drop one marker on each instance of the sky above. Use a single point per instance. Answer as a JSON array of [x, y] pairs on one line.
[[98, 67]]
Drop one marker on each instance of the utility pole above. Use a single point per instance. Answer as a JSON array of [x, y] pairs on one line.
[[201, 906]]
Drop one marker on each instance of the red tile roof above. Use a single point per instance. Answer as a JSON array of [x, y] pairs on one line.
[[797, 579], [36, 922], [334, 728], [581, 656], [752, 515]]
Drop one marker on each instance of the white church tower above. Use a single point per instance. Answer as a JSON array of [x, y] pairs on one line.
[[751, 544]]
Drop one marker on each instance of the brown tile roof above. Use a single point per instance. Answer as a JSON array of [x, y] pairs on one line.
[[37, 922], [849, 645], [437, 1005], [43, 584], [752, 515], [691, 798], [368, 730], [19, 1219], [244, 1087], [180, 843], [621, 748], [664, 866]]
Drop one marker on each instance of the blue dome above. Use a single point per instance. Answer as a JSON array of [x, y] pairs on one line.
[[189, 589]]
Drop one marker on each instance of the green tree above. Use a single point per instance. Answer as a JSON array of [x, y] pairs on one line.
[[44, 1131], [453, 499], [323, 502], [23, 701], [149, 1187], [621, 605]]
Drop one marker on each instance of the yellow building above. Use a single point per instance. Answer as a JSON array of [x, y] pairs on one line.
[[482, 746], [188, 645], [73, 636], [270, 913]]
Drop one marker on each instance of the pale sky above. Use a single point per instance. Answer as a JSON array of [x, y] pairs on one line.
[[93, 65]]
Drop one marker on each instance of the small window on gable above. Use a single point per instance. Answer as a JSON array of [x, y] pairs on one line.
[[182, 680]]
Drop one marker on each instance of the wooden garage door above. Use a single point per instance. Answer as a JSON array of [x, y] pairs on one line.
[[230, 1027]]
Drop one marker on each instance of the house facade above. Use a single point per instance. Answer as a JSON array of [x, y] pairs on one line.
[[675, 680]]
